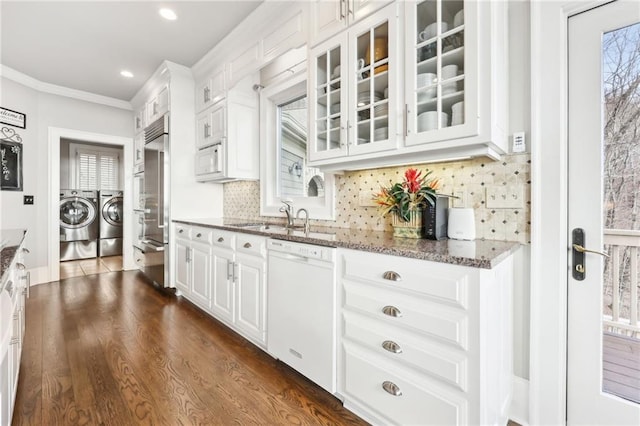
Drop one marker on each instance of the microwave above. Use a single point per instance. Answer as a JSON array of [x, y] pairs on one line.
[[208, 162]]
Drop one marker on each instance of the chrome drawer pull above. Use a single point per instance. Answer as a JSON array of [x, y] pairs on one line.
[[20, 266], [247, 245], [392, 347], [391, 388], [220, 239], [392, 276], [198, 235], [181, 231], [392, 311], [25, 250]]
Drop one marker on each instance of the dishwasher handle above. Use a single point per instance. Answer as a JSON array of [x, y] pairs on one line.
[[303, 260]]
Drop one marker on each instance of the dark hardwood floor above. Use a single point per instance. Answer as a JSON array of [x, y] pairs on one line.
[[111, 349]]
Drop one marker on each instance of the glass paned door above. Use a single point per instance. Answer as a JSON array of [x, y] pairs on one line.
[[438, 99], [372, 77], [603, 349], [328, 87]]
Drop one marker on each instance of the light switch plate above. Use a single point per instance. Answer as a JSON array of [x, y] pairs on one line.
[[519, 143], [505, 197]]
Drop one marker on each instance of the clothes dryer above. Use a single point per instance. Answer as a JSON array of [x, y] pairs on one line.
[[79, 224], [111, 214]]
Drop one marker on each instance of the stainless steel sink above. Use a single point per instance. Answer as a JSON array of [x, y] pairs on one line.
[[264, 227], [283, 230]]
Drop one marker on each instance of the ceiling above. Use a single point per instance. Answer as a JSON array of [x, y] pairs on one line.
[[84, 45]]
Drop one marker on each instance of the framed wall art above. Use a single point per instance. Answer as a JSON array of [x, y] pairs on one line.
[[10, 163], [13, 118]]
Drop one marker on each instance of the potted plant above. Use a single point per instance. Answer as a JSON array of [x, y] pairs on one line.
[[406, 200]]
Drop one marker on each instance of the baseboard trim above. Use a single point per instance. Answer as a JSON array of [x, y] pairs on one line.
[[519, 410], [39, 275]]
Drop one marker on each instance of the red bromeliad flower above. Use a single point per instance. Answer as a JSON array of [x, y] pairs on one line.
[[412, 194]]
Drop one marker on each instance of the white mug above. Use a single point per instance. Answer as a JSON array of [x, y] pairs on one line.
[[336, 72], [360, 64], [431, 30]]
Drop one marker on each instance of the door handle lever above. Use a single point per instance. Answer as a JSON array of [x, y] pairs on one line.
[[579, 248]]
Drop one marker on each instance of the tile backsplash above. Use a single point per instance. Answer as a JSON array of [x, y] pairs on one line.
[[505, 181]]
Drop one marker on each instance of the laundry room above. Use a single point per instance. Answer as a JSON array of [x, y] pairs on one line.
[[91, 207]]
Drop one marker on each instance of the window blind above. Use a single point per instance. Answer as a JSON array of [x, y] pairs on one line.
[[97, 169]]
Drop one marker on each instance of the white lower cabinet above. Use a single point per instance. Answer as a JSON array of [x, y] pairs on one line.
[[424, 342], [193, 264], [224, 273]]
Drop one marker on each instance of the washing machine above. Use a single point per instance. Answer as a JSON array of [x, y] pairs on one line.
[[79, 224], [111, 214]]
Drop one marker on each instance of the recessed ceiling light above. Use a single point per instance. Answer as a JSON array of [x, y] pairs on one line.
[[126, 73], [168, 14]]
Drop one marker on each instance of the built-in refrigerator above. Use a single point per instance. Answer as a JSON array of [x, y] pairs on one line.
[[151, 248]]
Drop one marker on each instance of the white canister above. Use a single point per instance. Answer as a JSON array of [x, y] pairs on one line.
[[461, 224]]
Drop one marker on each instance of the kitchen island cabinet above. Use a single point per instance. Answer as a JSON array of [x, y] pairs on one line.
[[14, 287]]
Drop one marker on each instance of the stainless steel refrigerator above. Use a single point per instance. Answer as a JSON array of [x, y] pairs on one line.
[[151, 249]]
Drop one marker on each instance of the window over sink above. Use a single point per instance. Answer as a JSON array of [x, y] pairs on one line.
[[285, 174]]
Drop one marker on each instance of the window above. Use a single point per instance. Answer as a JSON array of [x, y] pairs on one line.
[[94, 168]]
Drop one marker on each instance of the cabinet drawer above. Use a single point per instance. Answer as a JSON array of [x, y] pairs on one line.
[[401, 310], [407, 348], [204, 235], [418, 402], [224, 239], [440, 282], [251, 244], [183, 231]]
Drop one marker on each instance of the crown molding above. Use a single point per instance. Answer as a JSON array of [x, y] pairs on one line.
[[53, 89]]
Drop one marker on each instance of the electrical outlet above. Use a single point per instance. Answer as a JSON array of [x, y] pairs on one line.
[[28, 199], [460, 199], [505, 197]]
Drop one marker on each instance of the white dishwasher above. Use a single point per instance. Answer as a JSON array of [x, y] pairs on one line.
[[301, 320]]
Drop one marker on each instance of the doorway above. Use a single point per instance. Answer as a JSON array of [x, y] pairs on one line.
[[88, 142], [603, 339]]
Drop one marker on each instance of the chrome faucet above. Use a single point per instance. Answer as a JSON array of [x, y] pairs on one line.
[[306, 219], [288, 210]]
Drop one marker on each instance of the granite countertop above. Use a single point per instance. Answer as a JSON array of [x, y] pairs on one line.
[[478, 254], [10, 241]]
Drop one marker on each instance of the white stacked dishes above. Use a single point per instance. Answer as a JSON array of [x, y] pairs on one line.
[[458, 19], [429, 120], [364, 97], [381, 133], [426, 80], [381, 110], [449, 71], [457, 113]]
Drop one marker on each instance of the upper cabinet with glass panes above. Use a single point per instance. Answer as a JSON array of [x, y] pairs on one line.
[[444, 96], [351, 83]]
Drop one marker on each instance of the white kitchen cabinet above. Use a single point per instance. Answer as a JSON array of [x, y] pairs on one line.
[[193, 262], [222, 305], [138, 120], [211, 90], [138, 153], [239, 288], [232, 124], [14, 290], [353, 90], [424, 342], [158, 105], [332, 16], [456, 74]]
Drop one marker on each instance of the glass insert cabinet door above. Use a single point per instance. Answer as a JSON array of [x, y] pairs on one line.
[[439, 64], [372, 97], [328, 122]]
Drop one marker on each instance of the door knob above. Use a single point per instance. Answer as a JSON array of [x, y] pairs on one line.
[[581, 249]]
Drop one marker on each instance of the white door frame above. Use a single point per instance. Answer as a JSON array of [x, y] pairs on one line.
[[55, 134], [549, 226]]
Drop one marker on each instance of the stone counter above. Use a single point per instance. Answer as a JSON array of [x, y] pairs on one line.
[[10, 241], [478, 254]]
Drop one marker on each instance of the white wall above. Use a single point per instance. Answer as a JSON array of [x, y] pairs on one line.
[[45, 110]]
